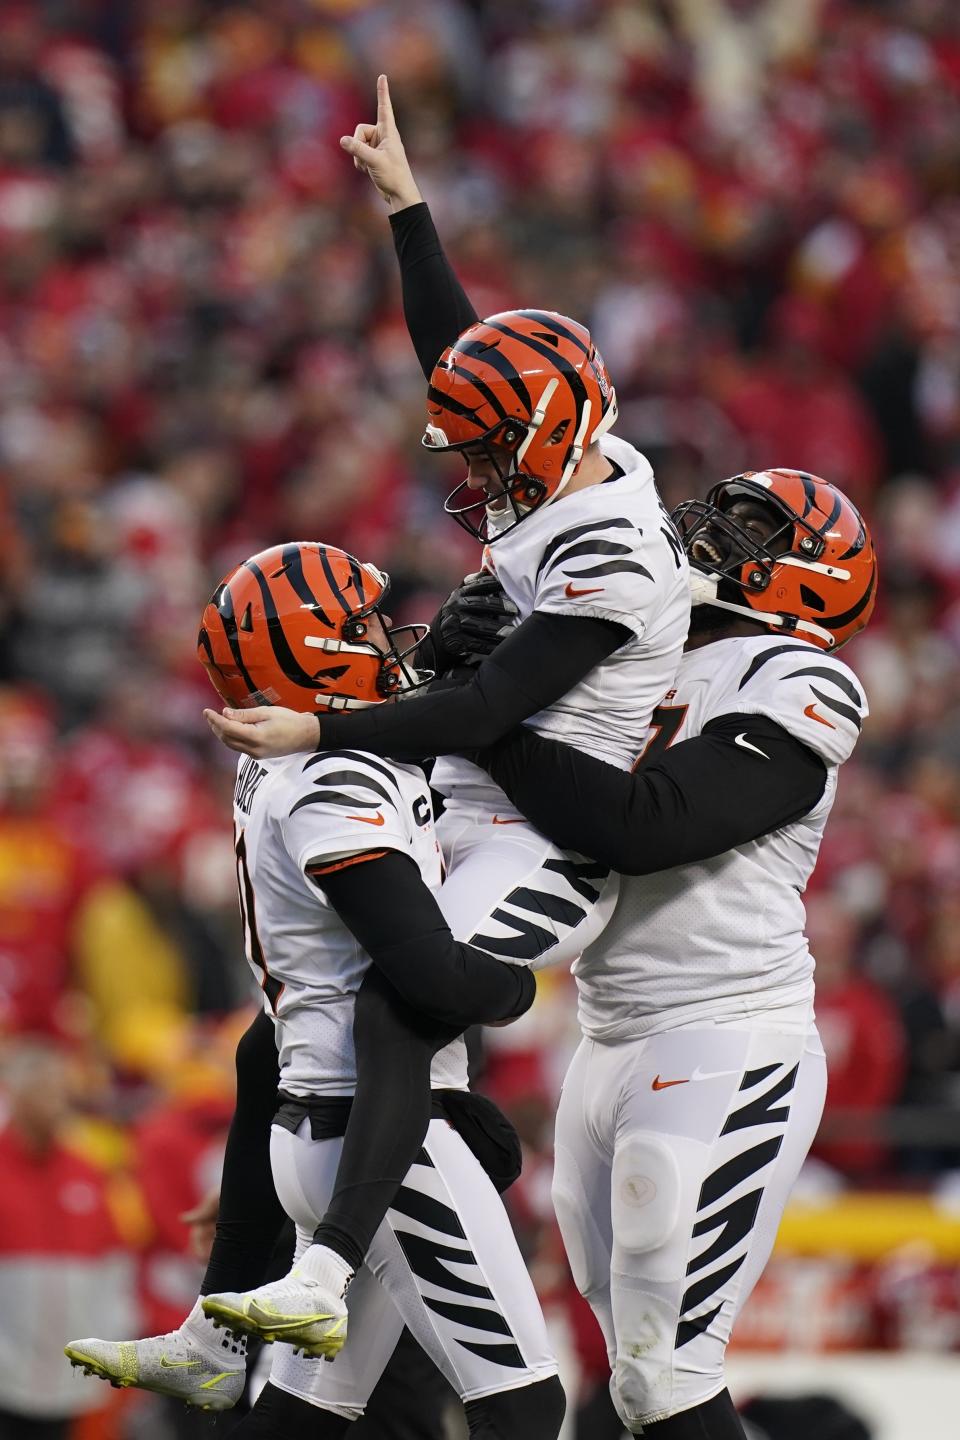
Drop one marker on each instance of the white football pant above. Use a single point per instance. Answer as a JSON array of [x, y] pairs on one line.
[[513, 893], [444, 1262], [675, 1156]]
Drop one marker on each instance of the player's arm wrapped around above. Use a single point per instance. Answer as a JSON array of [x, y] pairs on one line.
[[538, 662], [393, 915], [701, 798]]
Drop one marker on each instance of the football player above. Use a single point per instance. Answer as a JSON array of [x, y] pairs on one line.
[[698, 1087], [577, 535], [303, 624]]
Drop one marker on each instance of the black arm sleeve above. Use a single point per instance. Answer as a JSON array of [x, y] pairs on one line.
[[250, 1217], [441, 986], [435, 306], [534, 666], [698, 799], [389, 910]]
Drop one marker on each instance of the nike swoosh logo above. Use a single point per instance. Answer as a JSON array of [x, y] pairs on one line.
[[166, 1364], [659, 1084], [745, 744], [368, 819], [811, 710], [497, 821], [699, 1074], [573, 594]]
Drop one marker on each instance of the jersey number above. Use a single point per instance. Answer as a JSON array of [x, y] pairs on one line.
[[665, 724], [272, 988]]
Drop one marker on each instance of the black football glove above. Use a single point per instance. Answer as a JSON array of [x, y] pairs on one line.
[[470, 623]]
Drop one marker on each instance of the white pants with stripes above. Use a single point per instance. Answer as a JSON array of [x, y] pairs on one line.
[[675, 1156], [513, 893], [444, 1262]]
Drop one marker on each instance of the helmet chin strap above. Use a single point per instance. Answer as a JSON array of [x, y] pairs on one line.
[[703, 591]]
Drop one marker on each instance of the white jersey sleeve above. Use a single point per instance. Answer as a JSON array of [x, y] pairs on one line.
[[812, 695], [601, 569], [339, 805]]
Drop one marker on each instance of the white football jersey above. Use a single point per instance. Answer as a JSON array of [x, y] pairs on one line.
[[313, 812], [610, 552], [723, 938]]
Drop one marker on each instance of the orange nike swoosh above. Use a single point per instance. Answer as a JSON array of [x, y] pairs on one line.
[[572, 593], [368, 819], [659, 1084], [497, 821], [812, 712]]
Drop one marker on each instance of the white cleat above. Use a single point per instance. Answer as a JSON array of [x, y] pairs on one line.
[[305, 1310], [166, 1364]]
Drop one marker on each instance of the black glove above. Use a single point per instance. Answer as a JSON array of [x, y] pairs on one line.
[[470, 623]]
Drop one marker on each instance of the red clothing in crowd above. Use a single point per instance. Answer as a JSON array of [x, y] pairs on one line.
[[44, 876], [179, 1159], [64, 1272], [864, 1043]]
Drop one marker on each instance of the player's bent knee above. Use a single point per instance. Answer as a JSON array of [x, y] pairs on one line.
[[534, 1411], [645, 1199]]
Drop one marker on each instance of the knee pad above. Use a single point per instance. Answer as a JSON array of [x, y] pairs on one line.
[[645, 1193], [535, 1411]]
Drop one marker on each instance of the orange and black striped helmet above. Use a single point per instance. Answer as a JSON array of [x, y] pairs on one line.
[[291, 626], [816, 573], [529, 389]]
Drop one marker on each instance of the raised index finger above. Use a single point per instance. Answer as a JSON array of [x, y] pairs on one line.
[[385, 121]]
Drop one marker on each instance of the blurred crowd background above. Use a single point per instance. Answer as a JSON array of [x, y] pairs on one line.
[[754, 204]]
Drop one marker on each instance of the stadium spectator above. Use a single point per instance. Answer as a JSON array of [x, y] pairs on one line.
[[63, 1260], [864, 1043]]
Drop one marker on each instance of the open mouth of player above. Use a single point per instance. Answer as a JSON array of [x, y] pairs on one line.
[[704, 552]]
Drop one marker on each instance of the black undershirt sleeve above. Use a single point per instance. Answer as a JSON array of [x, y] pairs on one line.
[[533, 667], [435, 305], [422, 990], [250, 1217], [386, 906], [698, 799]]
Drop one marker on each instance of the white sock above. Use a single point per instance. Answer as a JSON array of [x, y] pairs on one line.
[[326, 1267], [219, 1344]]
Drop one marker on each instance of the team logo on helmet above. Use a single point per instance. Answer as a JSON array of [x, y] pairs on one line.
[[301, 625], [814, 573], [529, 392]]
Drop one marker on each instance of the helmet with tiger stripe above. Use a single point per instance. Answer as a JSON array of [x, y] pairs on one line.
[[292, 626], [813, 574], [529, 390]]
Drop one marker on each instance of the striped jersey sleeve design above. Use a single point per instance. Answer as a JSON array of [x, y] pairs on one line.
[[598, 568], [813, 696], [343, 803]]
